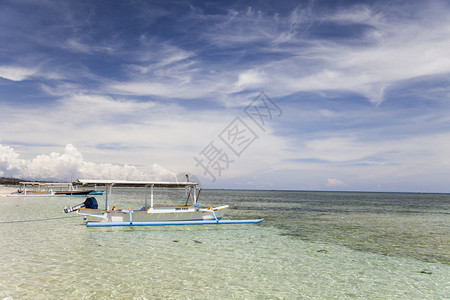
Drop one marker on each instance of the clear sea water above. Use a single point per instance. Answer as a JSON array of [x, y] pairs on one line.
[[312, 245]]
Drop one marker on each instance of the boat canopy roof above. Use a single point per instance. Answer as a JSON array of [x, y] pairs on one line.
[[46, 184], [57, 184], [30, 183], [127, 183]]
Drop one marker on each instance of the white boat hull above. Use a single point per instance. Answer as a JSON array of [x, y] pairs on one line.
[[156, 214]]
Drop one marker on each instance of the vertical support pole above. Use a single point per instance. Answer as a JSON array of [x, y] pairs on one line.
[[108, 196], [146, 195], [151, 196], [195, 195]]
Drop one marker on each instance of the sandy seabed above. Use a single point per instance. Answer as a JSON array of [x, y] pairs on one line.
[[6, 190]]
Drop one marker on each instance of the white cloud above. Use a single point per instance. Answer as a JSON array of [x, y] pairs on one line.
[[167, 71], [16, 73], [30, 71], [361, 14], [143, 88], [78, 46], [339, 149], [392, 48], [9, 159], [249, 79], [409, 163], [366, 71], [87, 106], [327, 113], [413, 151], [333, 182], [70, 165], [114, 130]]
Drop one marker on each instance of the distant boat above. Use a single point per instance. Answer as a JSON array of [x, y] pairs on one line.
[[149, 214], [32, 189], [47, 189], [68, 189]]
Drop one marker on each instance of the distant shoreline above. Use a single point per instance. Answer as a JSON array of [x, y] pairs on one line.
[[13, 183], [10, 181]]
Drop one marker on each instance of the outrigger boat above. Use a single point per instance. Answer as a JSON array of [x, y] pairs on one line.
[[67, 189], [48, 189], [149, 214], [32, 189]]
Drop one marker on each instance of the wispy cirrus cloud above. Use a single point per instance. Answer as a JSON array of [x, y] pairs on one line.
[[389, 48], [381, 50], [311, 60]]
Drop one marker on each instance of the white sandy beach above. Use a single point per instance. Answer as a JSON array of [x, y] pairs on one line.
[[6, 190]]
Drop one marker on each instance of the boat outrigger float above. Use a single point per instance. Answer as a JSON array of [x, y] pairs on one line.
[[150, 215]]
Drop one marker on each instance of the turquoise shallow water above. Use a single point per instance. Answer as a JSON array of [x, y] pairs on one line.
[[313, 245]]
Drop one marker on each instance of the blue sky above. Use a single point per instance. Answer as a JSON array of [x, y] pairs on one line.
[[355, 93]]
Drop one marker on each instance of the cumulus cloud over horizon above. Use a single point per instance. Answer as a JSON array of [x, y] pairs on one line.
[[71, 165], [333, 182]]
